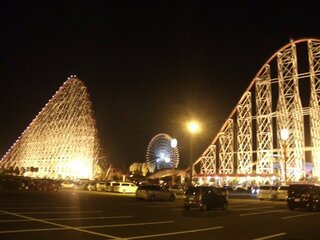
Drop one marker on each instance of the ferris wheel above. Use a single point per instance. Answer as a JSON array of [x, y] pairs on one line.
[[162, 153]]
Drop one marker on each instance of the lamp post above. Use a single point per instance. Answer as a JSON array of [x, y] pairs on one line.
[[284, 135], [173, 144], [193, 128]]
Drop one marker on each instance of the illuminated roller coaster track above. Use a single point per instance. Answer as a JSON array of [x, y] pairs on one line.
[[61, 141], [249, 141]]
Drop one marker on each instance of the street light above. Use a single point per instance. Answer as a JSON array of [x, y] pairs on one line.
[[284, 135], [193, 128], [173, 143]]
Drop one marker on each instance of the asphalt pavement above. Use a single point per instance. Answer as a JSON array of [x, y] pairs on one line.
[[77, 215]]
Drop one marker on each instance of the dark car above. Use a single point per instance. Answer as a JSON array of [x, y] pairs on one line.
[[13, 182], [223, 191], [205, 197], [44, 185], [304, 196]]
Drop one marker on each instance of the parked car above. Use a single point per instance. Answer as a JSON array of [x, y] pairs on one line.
[[178, 190], [204, 197], [44, 185], [109, 186], [67, 184], [239, 188], [304, 196], [267, 192], [25, 184], [254, 190], [101, 186], [52, 185], [223, 191], [154, 192], [91, 186], [35, 185], [81, 185], [282, 193], [13, 182], [124, 187]]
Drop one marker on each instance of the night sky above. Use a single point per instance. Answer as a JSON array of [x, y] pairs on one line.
[[149, 66]]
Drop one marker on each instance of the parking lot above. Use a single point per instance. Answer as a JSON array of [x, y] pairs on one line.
[[72, 214]]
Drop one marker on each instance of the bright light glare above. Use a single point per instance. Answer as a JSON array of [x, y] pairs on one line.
[[162, 155], [173, 143], [80, 168], [193, 127], [284, 134], [200, 181]]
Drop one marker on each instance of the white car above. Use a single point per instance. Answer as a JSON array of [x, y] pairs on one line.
[[67, 184], [267, 192], [91, 186], [152, 193], [109, 186], [178, 190], [124, 187], [282, 193], [101, 186]]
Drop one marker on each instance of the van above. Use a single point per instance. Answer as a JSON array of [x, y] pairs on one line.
[[267, 192], [124, 187]]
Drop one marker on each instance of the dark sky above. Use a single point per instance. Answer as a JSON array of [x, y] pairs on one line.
[[148, 65]]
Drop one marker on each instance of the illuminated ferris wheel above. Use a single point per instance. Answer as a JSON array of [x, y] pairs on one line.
[[162, 153]]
